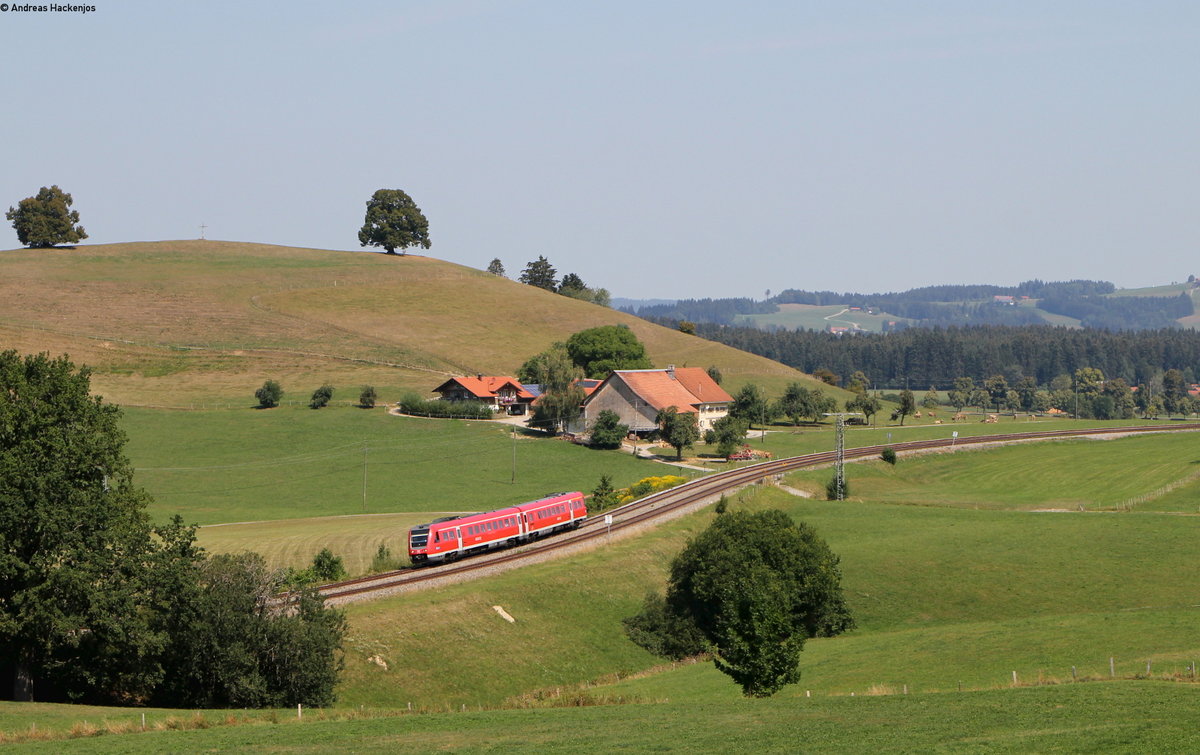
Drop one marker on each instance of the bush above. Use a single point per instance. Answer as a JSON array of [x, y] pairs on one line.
[[366, 399], [327, 567], [648, 485], [831, 489], [321, 397], [414, 404], [384, 561], [269, 395], [889, 455], [608, 432], [603, 496]]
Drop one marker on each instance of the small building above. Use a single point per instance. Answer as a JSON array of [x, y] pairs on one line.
[[638, 395], [998, 299], [499, 392]]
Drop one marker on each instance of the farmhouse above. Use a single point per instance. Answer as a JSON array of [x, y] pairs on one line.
[[499, 392], [638, 395]]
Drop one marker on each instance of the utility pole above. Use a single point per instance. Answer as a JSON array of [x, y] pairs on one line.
[[202, 227], [839, 454], [364, 477]]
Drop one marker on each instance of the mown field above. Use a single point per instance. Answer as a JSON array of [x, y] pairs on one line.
[[295, 463]]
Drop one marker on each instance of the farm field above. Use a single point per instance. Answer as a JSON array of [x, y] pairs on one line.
[[240, 465], [1119, 717], [817, 317]]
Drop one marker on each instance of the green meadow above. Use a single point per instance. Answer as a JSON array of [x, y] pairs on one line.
[[948, 597], [239, 465], [1127, 717]]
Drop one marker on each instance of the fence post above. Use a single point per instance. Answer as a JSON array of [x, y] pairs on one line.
[[1112, 669]]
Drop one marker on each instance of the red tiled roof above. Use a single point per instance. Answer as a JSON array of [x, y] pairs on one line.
[[689, 387], [485, 386]]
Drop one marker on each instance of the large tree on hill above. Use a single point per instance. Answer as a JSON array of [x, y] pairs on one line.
[[46, 219], [751, 589], [599, 351], [394, 222], [540, 273]]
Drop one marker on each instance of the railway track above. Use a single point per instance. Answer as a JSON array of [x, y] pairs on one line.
[[666, 505]]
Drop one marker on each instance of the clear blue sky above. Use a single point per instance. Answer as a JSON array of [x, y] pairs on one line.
[[658, 149]]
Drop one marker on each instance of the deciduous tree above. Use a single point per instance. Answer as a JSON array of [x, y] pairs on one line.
[[907, 405], [74, 540], [269, 395], [608, 431], [751, 589], [599, 351], [394, 221], [679, 430], [46, 219]]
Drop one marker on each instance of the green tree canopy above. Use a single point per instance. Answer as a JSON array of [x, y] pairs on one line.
[[599, 351], [74, 539], [540, 273], [729, 433], [750, 404], [394, 221], [751, 589], [907, 405], [608, 431], [269, 395], [98, 606], [867, 404], [496, 267], [679, 430], [46, 219]]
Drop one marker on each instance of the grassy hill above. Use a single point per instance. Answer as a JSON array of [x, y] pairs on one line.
[[190, 324]]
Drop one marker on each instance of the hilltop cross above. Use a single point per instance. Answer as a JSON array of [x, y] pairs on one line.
[[202, 227]]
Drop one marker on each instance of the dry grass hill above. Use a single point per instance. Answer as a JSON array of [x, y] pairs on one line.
[[190, 323]]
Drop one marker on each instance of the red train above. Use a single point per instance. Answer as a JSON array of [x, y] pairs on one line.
[[452, 537]]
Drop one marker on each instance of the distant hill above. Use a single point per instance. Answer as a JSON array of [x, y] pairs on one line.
[[189, 323], [1078, 303]]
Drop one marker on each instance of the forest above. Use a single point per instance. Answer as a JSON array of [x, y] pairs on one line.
[[923, 357]]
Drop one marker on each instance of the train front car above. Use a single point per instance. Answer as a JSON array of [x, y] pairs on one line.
[[418, 544]]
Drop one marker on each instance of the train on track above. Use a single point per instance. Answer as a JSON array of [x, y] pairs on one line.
[[452, 537]]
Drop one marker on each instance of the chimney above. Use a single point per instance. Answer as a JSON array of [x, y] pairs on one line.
[[671, 371]]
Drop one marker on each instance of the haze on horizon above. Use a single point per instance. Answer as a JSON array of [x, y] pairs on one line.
[[661, 150]]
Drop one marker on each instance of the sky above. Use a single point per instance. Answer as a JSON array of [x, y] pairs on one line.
[[656, 149]]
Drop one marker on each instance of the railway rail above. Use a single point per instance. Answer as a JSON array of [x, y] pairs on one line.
[[666, 505]]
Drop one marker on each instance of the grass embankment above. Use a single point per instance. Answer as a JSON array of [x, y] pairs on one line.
[[196, 323]]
